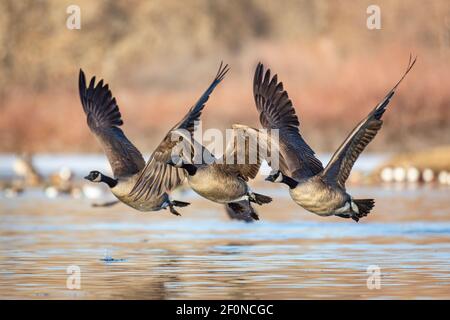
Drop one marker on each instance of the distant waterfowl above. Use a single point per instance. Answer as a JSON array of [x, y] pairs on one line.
[[65, 174], [412, 175], [140, 185], [61, 183], [317, 189], [427, 175], [62, 179], [14, 189], [23, 166], [444, 177], [51, 192], [27, 176], [399, 174], [387, 174]]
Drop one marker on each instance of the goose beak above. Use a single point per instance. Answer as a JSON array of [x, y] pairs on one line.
[[270, 178], [88, 178]]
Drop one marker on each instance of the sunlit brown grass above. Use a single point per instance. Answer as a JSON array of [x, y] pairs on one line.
[[159, 56], [330, 98]]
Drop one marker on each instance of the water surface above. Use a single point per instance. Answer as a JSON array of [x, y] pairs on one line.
[[289, 254]]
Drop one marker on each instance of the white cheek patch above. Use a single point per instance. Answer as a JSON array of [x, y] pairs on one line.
[[343, 209], [98, 179], [355, 207]]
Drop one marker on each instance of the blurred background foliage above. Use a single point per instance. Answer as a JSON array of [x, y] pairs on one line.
[[158, 56]]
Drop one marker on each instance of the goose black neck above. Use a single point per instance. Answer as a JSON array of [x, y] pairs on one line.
[[109, 181], [190, 168], [289, 182]]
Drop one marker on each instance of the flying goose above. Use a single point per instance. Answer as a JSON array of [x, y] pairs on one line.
[[220, 181], [317, 189], [142, 186]]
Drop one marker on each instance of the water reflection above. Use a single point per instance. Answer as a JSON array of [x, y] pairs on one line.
[[289, 254]]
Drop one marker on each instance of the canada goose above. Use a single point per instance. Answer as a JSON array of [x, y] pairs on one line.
[[151, 180], [224, 182], [412, 175], [51, 192], [444, 177], [387, 174], [61, 182], [14, 188], [317, 189], [399, 174], [427, 175], [23, 166]]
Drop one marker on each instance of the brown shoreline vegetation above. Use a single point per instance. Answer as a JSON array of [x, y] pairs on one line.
[[158, 57]]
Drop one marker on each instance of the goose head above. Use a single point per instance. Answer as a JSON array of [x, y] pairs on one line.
[[94, 176], [275, 176], [279, 177]]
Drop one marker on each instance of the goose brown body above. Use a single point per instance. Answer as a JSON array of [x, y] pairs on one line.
[[216, 185], [317, 189], [318, 197], [122, 192]]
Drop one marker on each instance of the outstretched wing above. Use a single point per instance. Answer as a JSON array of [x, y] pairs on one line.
[[277, 112], [104, 120], [340, 165], [158, 177]]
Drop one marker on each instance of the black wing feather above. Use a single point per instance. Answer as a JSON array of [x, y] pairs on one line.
[[104, 119], [158, 177], [340, 165], [297, 159]]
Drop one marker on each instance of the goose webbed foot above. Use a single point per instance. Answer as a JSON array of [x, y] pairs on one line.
[[175, 203], [173, 211], [254, 215], [259, 199]]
